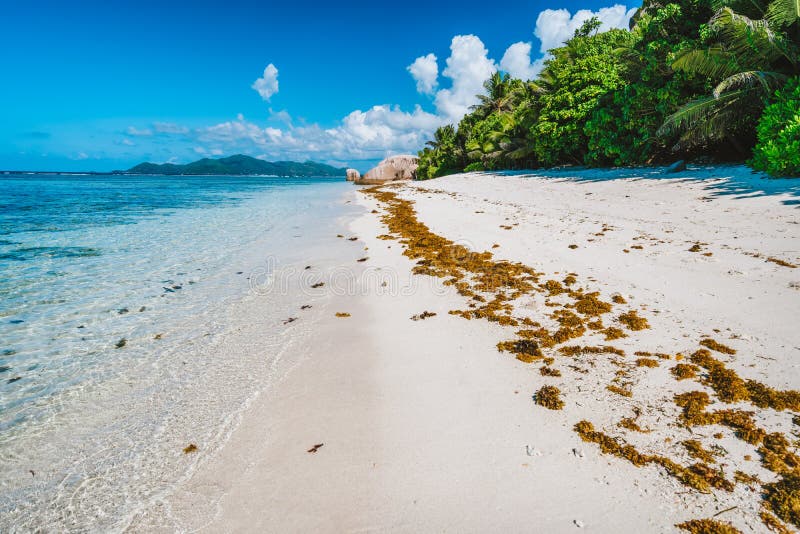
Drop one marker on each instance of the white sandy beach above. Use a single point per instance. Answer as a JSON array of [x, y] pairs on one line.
[[427, 427]]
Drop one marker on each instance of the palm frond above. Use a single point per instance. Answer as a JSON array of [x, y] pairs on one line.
[[752, 41], [782, 13], [765, 80], [697, 112], [714, 62], [751, 8]]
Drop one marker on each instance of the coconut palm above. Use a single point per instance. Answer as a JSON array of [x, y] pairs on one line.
[[496, 98], [749, 60]]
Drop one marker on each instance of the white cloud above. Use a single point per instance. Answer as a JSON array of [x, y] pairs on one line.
[[128, 142], [371, 134], [384, 130], [425, 71], [267, 85], [555, 26], [517, 62], [169, 128], [138, 133], [467, 67]]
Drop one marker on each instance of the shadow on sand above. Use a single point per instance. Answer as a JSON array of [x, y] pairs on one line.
[[719, 180]]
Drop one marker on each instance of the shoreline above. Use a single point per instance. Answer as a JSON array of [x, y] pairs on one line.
[[113, 439], [425, 425]]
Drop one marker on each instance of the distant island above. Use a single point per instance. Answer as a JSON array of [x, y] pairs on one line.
[[238, 165]]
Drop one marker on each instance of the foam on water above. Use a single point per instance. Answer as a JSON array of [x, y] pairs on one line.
[[92, 429]]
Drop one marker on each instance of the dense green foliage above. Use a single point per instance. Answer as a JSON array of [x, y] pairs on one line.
[[578, 76], [778, 148], [239, 165], [623, 128], [689, 79]]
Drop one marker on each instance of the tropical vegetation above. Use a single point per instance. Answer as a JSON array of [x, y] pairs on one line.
[[711, 79]]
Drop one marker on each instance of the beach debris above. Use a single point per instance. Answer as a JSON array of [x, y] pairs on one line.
[[619, 391], [342, 314], [307, 267], [549, 371], [158, 336], [532, 451], [782, 263], [318, 284], [5, 368], [612, 333], [696, 450], [142, 309], [361, 260], [549, 397], [589, 304], [339, 235], [305, 307], [315, 448], [632, 320], [708, 526], [32, 472], [354, 238], [122, 311], [573, 246], [526, 350], [578, 453], [190, 448], [121, 343], [578, 523], [725, 511], [290, 320], [12, 380], [684, 371], [422, 316], [719, 347], [698, 476], [631, 424]]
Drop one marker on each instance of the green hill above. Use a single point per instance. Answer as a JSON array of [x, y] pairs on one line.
[[239, 165]]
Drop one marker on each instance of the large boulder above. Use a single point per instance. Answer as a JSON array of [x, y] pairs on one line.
[[353, 175], [402, 167]]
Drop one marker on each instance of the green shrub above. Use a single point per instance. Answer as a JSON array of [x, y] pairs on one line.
[[777, 151], [473, 167]]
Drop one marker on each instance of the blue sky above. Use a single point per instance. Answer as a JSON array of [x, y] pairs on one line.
[[104, 85]]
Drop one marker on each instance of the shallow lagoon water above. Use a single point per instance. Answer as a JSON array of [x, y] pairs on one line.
[[118, 296]]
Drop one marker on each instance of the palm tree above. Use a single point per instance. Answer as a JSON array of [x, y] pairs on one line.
[[750, 59], [498, 89], [442, 137]]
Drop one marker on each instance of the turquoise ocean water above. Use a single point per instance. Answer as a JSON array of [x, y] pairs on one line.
[[106, 282]]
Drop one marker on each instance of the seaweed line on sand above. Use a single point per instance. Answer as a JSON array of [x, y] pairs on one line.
[[491, 288]]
